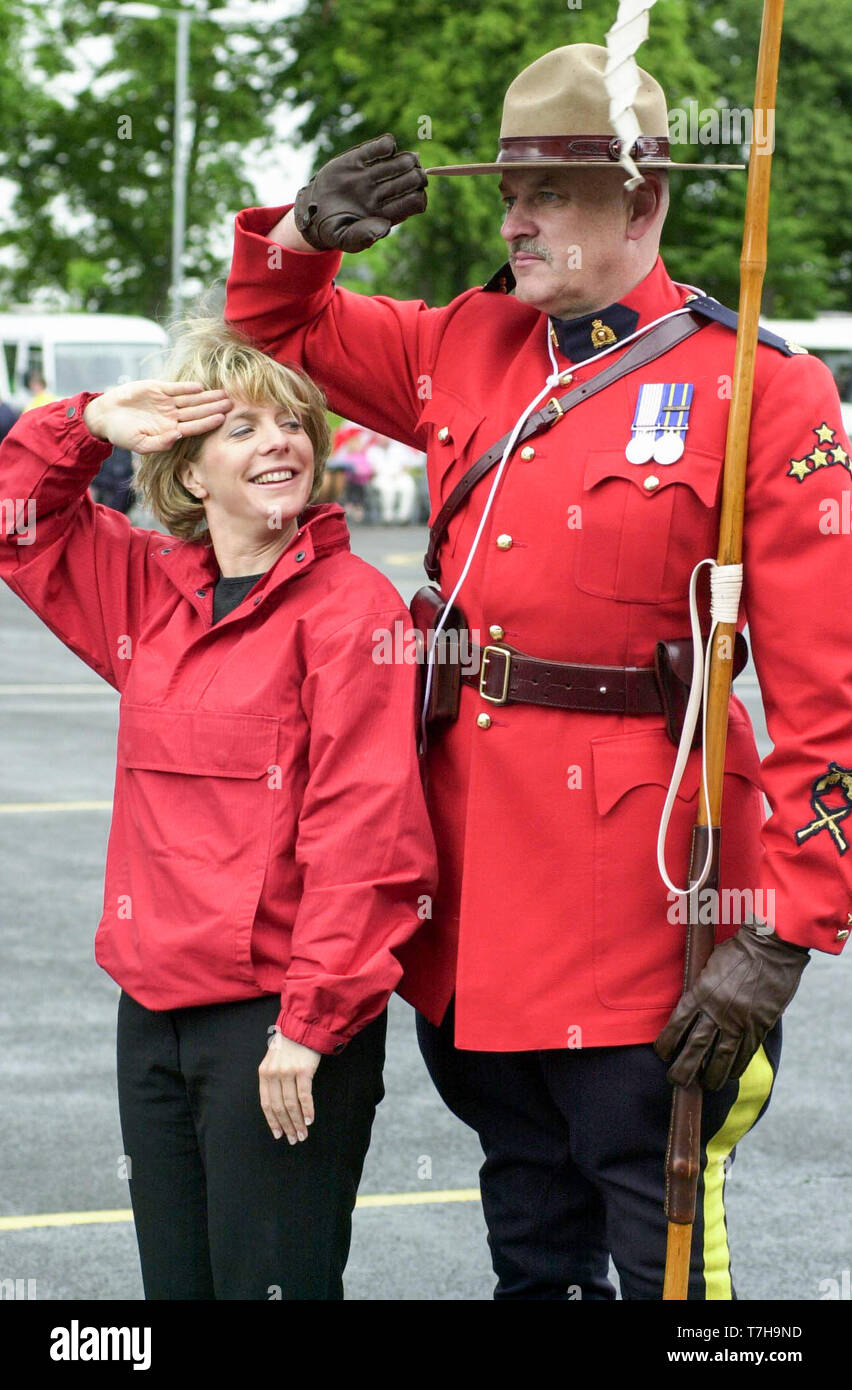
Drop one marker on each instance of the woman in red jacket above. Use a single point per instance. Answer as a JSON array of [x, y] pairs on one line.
[[269, 850]]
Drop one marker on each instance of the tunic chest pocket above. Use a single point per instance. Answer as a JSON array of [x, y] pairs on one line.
[[452, 424], [645, 527]]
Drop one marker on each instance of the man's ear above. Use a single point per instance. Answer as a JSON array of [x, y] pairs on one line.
[[647, 203]]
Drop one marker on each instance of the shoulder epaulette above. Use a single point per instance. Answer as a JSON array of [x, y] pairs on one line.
[[720, 313]]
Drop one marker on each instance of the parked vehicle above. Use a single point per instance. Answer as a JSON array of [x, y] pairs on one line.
[[828, 336], [75, 352]]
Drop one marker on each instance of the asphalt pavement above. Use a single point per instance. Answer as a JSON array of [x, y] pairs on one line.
[[418, 1232]]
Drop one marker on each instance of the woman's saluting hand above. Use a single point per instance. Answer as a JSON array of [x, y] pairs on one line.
[[149, 416]]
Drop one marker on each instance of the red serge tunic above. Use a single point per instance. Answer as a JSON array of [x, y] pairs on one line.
[[269, 832], [553, 922]]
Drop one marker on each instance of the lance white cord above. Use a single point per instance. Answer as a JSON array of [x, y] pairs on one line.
[[726, 583], [621, 77], [549, 385]]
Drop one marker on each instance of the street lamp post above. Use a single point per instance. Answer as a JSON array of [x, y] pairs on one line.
[[179, 162], [184, 18]]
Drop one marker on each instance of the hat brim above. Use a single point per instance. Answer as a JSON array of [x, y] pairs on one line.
[[498, 168]]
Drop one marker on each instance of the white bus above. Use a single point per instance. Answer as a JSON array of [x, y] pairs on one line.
[[828, 336], [75, 352]]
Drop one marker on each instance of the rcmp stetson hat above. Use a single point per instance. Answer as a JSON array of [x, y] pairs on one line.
[[556, 113]]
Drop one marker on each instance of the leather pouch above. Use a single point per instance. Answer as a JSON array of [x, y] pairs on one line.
[[673, 669], [427, 608]]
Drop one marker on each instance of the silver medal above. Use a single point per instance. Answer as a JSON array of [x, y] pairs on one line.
[[640, 448], [668, 448]]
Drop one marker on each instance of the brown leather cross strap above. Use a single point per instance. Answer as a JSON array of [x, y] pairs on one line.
[[505, 676], [647, 349]]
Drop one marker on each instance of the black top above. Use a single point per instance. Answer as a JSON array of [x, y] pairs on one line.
[[229, 593]]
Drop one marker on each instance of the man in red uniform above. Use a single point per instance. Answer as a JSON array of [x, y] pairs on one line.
[[556, 956]]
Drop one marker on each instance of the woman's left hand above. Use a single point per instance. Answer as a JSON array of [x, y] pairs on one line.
[[286, 1098]]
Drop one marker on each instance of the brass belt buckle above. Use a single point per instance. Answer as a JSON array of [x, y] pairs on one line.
[[487, 654]]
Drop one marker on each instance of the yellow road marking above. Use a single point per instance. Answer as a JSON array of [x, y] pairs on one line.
[[64, 1218], [403, 557], [100, 1218], [10, 808], [413, 1199]]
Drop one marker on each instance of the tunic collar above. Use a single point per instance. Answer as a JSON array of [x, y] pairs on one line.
[[579, 338]]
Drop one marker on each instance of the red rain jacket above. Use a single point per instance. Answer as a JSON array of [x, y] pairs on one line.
[[552, 921], [269, 831]]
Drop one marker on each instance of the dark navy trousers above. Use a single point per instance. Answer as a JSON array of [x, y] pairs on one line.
[[574, 1143]]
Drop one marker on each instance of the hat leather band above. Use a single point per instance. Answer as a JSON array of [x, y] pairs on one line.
[[606, 148]]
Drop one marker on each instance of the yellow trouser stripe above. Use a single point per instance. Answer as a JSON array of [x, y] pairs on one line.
[[755, 1085]]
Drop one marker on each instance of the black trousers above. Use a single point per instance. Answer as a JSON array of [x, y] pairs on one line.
[[574, 1143], [223, 1210]]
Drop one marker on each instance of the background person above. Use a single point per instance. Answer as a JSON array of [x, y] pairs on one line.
[[8, 416], [269, 846], [37, 386]]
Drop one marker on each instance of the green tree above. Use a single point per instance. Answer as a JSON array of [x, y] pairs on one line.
[[91, 217], [810, 248], [92, 212], [434, 71]]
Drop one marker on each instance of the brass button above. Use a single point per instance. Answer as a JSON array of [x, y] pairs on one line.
[[443, 434], [528, 453], [483, 721], [566, 378], [504, 542], [651, 482], [842, 934], [495, 632]]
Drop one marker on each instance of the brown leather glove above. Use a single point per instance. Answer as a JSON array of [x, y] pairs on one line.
[[356, 198], [742, 991]]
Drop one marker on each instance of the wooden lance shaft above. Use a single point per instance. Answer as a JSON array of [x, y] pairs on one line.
[[684, 1146]]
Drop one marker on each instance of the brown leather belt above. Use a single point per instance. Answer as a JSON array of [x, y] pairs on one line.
[[504, 676]]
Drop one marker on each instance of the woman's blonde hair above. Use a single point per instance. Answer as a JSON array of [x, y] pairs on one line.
[[210, 351]]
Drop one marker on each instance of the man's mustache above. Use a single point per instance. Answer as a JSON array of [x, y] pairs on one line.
[[530, 248]]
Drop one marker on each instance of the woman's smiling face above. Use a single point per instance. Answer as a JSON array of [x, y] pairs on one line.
[[255, 471]]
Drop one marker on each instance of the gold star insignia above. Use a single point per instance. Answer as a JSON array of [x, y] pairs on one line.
[[820, 458], [841, 456], [824, 434], [798, 469]]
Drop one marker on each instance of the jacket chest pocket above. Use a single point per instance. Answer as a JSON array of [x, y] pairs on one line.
[[196, 743], [645, 527], [198, 802]]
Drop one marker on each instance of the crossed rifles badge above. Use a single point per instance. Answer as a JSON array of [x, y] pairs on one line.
[[827, 817], [825, 452]]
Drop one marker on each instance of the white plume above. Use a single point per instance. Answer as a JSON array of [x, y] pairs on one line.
[[621, 76]]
